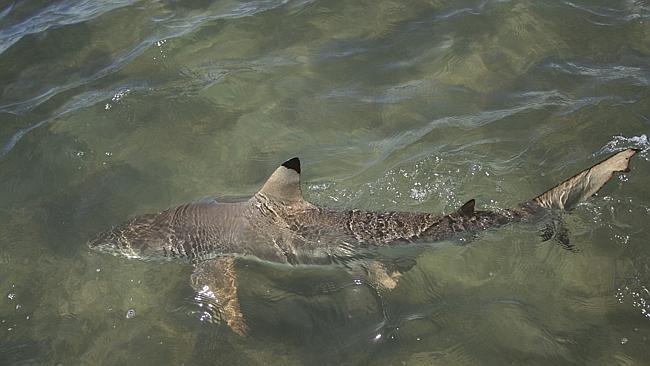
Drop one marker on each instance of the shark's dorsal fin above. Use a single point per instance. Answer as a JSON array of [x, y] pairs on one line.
[[466, 210], [284, 184]]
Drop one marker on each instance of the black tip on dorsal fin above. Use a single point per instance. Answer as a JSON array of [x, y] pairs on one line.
[[467, 209], [293, 164]]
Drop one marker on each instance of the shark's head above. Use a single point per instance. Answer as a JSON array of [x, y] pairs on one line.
[[110, 242], [192, 229], [137, 238]]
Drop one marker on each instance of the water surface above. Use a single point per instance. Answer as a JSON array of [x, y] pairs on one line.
[[112, 109]]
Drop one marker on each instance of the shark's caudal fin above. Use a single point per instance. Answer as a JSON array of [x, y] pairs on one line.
[[586, 183], [284, 184]]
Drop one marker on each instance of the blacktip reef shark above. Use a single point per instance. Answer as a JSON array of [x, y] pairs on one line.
[[277, 224]]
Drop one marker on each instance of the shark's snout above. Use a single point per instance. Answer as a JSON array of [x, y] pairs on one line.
[[99, 240], [137, 238], [106, 242]]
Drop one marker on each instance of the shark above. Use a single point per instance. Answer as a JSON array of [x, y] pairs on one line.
[[279, 225]]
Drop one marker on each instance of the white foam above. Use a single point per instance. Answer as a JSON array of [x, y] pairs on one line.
[[619, 142]]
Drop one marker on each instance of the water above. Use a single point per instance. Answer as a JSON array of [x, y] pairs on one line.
[[111, 109]]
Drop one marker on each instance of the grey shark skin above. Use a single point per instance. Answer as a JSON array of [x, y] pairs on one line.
[[277, 224]]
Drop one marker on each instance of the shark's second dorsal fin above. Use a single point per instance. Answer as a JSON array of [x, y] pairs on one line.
[[466, 210], [284, 184]]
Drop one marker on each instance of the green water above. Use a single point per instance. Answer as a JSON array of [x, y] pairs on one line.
[[112, 109]]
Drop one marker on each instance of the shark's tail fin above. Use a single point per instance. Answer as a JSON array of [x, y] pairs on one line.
[[586, 183]]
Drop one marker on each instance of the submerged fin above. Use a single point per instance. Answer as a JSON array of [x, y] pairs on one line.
[[467, 210], [556, 230], [284, 183], [586, 183], [380, 276], [216, 281]]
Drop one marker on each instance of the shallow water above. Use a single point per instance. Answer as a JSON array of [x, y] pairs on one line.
[[111, 109]]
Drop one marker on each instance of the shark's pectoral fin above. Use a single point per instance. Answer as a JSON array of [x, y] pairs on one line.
[[216, 281], [401, 264], [381, 276]]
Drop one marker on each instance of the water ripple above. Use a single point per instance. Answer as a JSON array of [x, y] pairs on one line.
[[175, 25], [80, 101], [526, 101], [632, 10], [638, 75], [29, 104], [57, 14], [6, 10]]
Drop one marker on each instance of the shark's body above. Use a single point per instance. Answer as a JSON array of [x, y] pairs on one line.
[[277, 224], [294, 233]]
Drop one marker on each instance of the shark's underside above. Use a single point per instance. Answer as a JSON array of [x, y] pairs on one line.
[[277, 224]]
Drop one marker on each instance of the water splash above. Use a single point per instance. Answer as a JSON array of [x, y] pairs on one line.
[[634, 291], [620, 142]]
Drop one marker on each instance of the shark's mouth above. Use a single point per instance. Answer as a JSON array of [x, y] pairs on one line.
[[109, 243]]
